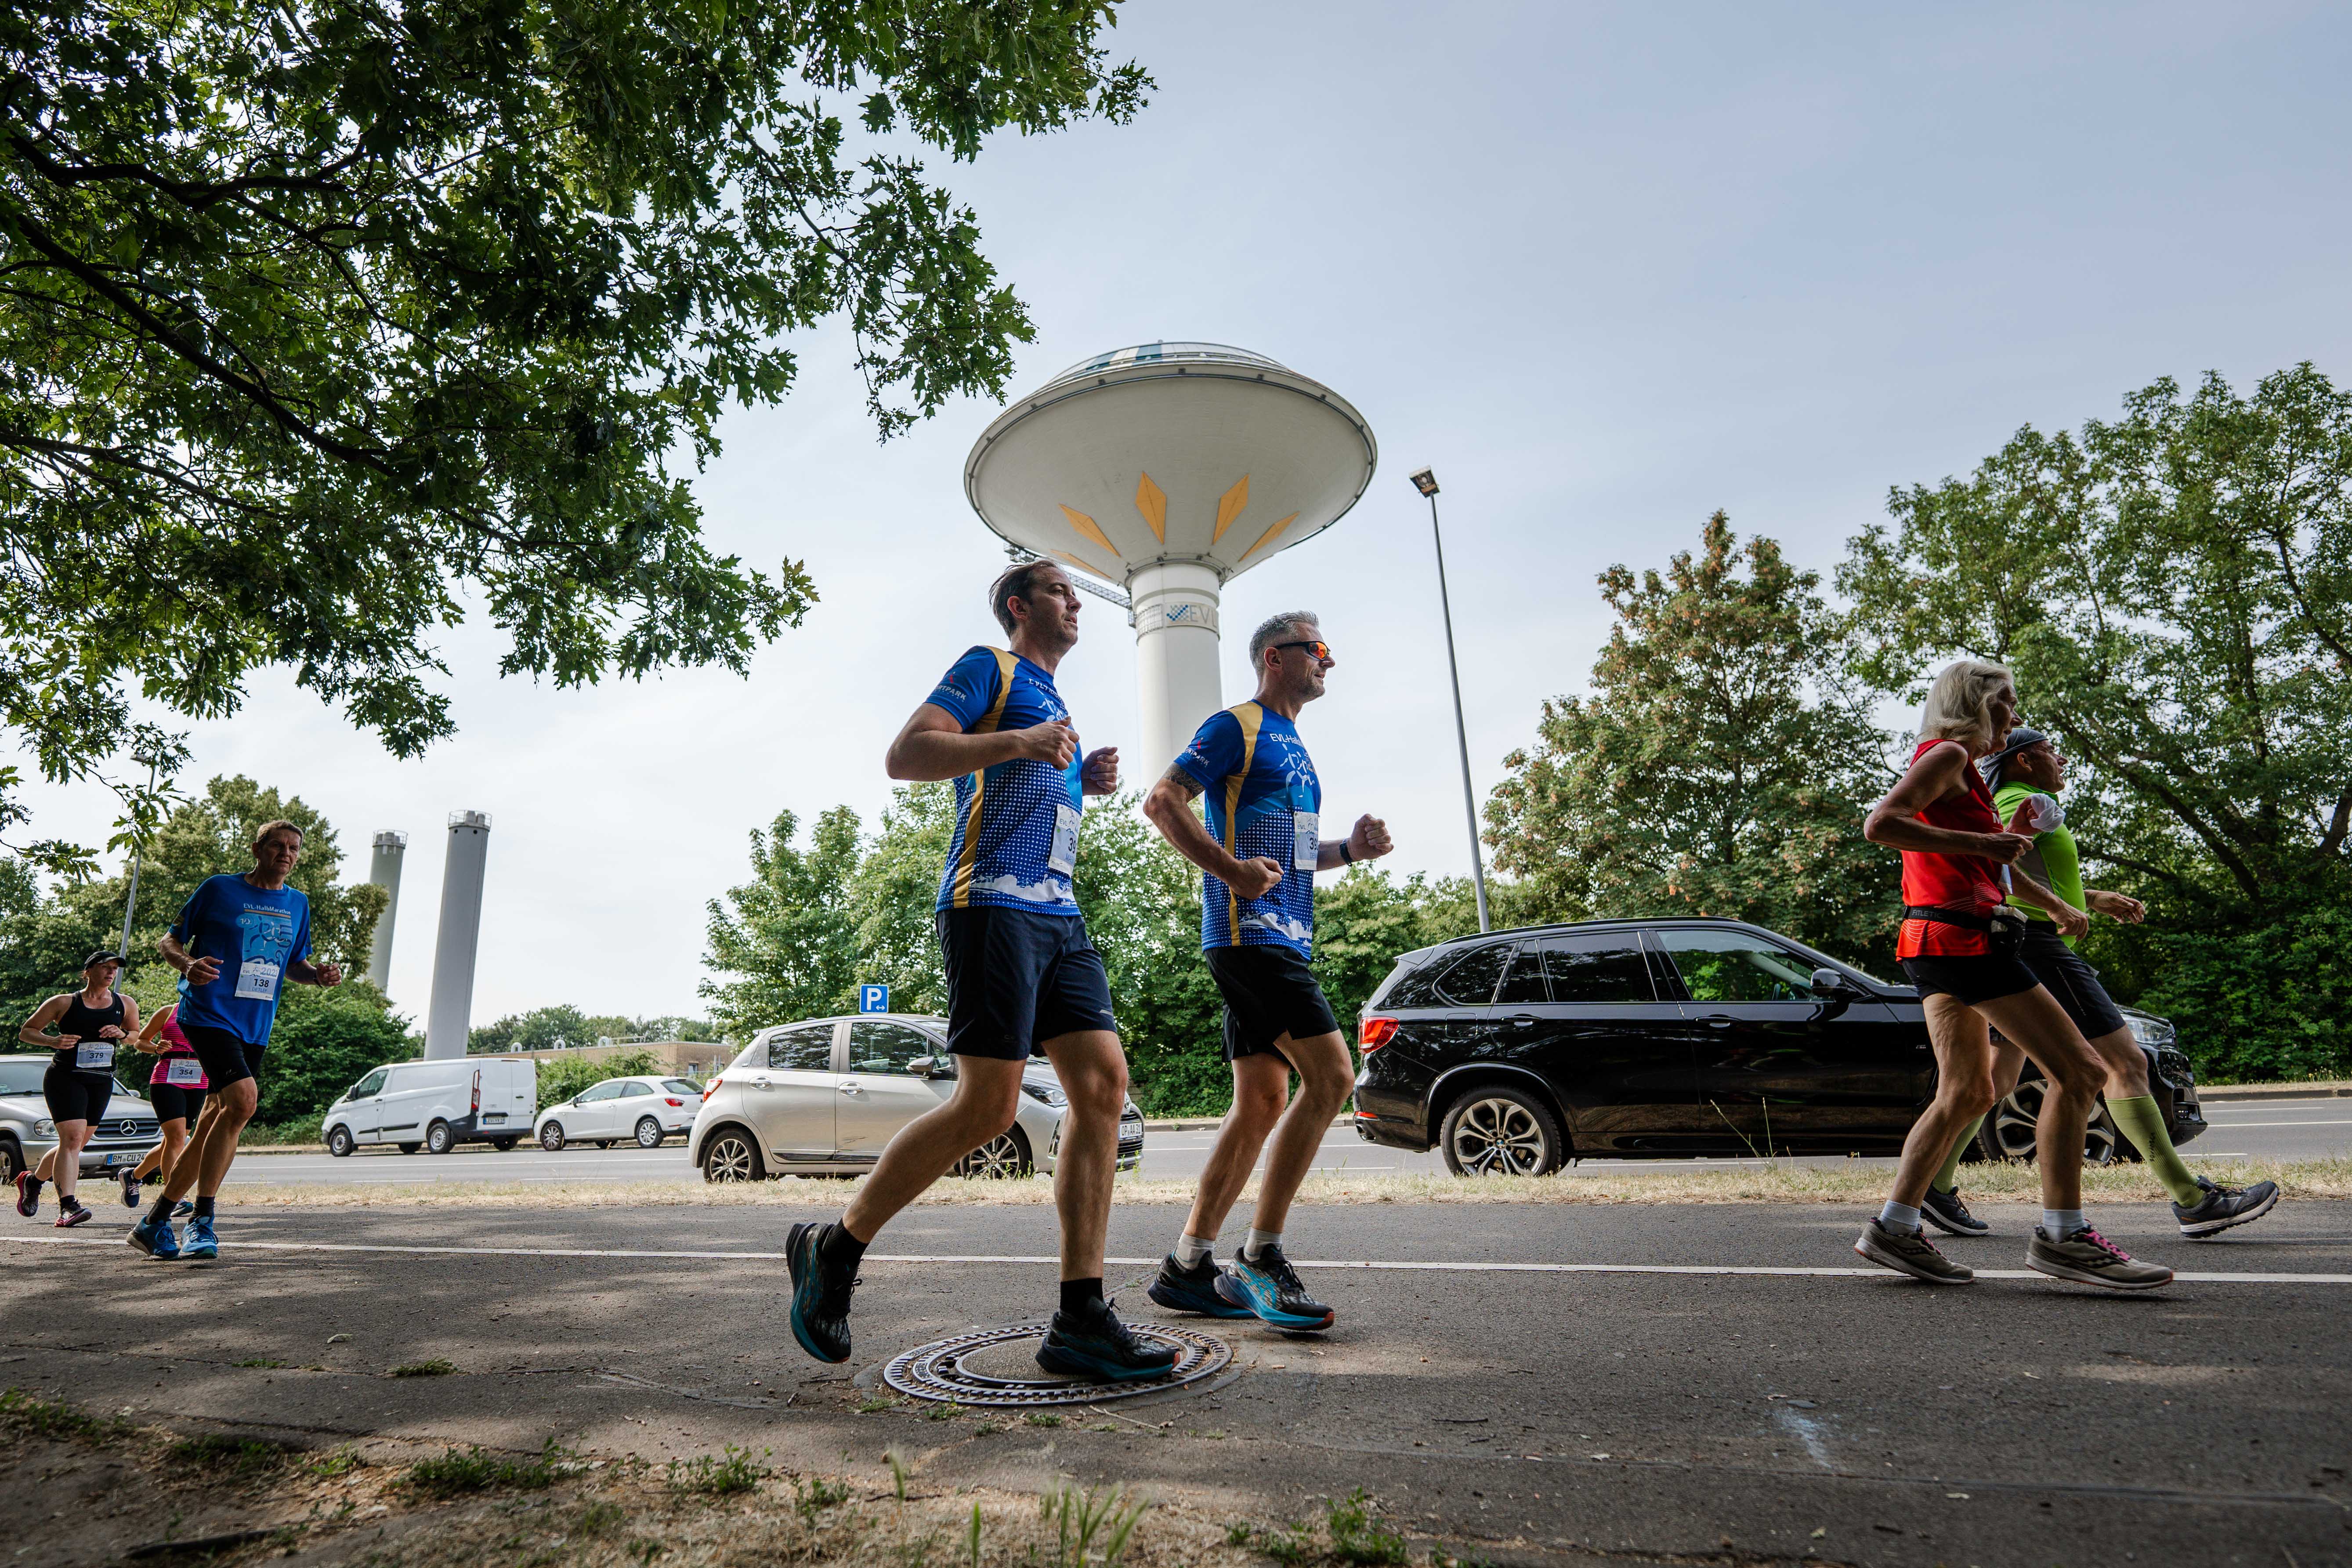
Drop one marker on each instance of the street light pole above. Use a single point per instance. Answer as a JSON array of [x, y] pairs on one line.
[[138, 852], [1425, 481]]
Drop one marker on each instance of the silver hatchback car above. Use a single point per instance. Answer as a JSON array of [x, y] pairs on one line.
[[822, 1098]]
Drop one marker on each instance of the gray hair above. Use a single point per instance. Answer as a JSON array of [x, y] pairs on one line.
[[1278, 629]]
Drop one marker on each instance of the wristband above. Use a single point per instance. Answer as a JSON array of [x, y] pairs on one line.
[[1347, 858]]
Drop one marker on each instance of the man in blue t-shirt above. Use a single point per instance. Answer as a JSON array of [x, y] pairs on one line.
[[1020, 975], [237, 941], [1258, 854]]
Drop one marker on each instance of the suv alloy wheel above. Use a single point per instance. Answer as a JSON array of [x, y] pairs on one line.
[[1496, 1130], [731, 1156], [2009, 1129]]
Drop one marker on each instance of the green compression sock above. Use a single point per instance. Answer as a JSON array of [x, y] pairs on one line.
[[2138, 1120], [1949, 1178]]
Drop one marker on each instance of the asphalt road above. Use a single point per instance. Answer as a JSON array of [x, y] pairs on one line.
[[2262, 1130], [1633, 1395]]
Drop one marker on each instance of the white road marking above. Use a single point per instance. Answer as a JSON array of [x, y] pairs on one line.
[[2233, 1126], [1382, 1266]]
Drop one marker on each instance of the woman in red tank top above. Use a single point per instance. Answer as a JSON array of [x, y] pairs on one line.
[[1958, 866]]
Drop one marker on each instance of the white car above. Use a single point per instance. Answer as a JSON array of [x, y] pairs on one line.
[[822, 1098], [641, 1110]]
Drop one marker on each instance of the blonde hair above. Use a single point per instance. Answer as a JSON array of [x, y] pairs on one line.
[[1959, 704]]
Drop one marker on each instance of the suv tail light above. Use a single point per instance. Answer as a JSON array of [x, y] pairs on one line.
[[713, 1086], [1374, 1033]]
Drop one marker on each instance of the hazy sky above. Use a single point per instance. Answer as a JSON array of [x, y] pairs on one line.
[[1608, 269]]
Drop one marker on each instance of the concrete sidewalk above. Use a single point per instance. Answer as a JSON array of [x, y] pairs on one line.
[[1745, 1391]]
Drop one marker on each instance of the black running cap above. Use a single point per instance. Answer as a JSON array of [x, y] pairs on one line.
[[101, 956], [2019, 740]]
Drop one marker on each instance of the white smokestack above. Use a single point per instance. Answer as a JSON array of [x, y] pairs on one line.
[[385, 872], [452, 1012]]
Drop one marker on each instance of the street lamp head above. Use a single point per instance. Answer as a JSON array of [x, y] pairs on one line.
[[1425, 481]]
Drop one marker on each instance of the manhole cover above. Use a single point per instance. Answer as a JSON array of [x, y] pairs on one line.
[[995, 1366]]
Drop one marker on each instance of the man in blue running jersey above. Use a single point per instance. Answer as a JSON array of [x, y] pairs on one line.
[[1020, 975], [1258, 854]]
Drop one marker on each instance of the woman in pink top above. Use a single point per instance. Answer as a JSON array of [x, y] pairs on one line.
[[176, 1087]]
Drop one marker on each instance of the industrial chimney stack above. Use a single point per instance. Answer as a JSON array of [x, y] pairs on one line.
[[385, 872], [451, 1011]]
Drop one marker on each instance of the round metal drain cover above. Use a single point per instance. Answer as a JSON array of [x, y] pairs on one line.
[[980, 1367]]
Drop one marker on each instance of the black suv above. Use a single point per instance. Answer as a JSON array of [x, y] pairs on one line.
[[1516, 1051]]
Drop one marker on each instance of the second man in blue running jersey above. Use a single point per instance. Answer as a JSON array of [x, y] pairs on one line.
[[1020, 975], [1258, 854]]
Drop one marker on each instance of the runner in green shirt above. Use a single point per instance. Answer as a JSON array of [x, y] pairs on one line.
[[2030, 768]]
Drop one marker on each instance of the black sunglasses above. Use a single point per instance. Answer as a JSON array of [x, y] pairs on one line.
[[1321, 650]]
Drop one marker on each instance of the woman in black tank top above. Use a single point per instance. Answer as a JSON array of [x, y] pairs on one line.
[[82, 1030]]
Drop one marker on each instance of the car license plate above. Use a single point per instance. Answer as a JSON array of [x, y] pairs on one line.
[[494, 1116], [113, 1161]]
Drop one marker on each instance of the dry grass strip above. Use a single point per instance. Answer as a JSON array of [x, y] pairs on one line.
[[1849, 1183]]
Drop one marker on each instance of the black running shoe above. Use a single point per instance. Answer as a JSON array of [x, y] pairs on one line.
[[28, 1194], [2222, 1207], [819, 1296], [1194, 1289], [1269, 1288], [1951, 1216], [1094, 1344], [130, 1191]]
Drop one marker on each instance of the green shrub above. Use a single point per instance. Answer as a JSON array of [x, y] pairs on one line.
[[2265, 1003], [325, 1041], [562, 1078]]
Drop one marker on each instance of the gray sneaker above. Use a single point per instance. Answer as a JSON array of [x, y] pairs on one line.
[[2086, 1257], [2222, 1207], [1910, 1252]]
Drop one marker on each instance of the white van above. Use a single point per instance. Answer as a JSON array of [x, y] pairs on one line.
[[437, 1105]]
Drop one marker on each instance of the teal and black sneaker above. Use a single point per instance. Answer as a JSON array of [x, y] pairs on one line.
[[819, 1296], [201, 1245], [1194, 1289], [155, 1238], [1269, 1289], [1093, 1344]]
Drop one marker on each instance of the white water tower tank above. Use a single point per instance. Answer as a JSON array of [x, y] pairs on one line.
[[1169, 468]]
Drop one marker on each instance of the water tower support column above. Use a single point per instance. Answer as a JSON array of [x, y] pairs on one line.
[[1176, 660]]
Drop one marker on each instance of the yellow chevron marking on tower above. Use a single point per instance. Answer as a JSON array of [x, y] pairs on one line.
[[1152, 502], [1229, 507], [1264, 539], [1077, 560], [1087, 527]]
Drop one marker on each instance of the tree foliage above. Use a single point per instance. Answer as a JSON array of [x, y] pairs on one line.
[[2174, 592], [322, 322], [1720, 766]]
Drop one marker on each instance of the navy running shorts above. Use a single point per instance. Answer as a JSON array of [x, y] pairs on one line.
[[1970, 978], [1017, 978], [226, 1059], [1269, 992], [2071, 980]]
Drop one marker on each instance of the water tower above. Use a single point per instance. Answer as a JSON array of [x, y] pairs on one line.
[[1169, 468]]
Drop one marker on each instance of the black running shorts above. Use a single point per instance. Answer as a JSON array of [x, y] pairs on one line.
[[76, 1096], [226, 1059], [2071, 980], [1017, 979], [173, 1103], [1269, 992], [1970, 978]]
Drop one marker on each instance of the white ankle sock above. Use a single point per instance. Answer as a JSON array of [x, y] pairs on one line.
[[1258, 1240], [1190, 1249], [1899, 1216], [2060, 1223]]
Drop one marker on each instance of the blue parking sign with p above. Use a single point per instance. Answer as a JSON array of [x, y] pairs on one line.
[[874, 999]]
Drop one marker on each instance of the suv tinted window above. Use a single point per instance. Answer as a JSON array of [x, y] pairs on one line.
[[1734, 966], [1525, 983], [887, 1048], [808, 1049], [1471, 982], [1603, 967]]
